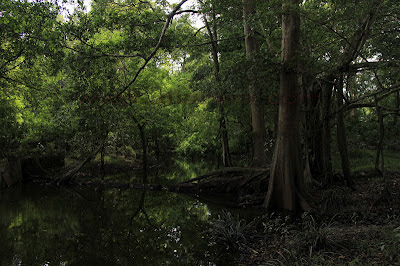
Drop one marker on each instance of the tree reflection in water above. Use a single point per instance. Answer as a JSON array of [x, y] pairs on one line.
[[40, 225]]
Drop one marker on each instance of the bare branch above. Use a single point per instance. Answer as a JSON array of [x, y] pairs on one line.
[[380, 94], [210, 42], [374, 64], [187, 11]]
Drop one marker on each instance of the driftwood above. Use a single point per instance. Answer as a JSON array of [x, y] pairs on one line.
[[68, 176], [249, 185], [225, 171]]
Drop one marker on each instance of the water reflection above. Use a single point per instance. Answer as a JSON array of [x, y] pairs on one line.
[[49, 226], [178, 170]]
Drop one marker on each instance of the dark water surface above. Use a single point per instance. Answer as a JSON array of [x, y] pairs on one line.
[[42, 225], [81, 226]]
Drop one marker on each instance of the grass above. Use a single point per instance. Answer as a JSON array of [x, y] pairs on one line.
[[364, 160], [230, 231]]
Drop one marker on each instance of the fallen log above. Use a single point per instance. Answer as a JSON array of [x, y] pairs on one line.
[[68, 176], [244, 183], [225, 171]]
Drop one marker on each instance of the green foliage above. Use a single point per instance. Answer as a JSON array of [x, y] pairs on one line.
[[196, 130], [316, 235], [68, 83], [278, 225], [364, 160], [335, 200], [391, 246], [229, 230], [288, 257], [10, 129]]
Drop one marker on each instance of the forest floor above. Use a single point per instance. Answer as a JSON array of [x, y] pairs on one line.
[[359, 227]]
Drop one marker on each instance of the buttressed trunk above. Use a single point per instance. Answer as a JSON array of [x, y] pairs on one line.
[[286, 187]]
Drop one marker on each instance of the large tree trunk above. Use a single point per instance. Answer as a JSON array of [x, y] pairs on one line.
[[226, 156], [256, 104], [341, 135], [286, 187]]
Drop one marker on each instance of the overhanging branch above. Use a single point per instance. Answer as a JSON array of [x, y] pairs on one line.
[[153, 53]]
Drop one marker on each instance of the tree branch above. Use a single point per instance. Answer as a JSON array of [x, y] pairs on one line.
[[153, 53]]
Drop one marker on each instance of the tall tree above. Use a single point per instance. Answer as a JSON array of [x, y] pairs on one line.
[[212, 33], [341, 134], [286, 188], [256, 105]]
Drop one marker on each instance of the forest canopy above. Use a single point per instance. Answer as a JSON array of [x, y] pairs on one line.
[[234, 80]]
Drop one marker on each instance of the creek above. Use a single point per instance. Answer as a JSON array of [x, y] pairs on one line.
[[78, 225]]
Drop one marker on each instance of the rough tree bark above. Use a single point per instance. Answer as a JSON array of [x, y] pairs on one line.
[[256, 104], [226, 156], [286, 186]]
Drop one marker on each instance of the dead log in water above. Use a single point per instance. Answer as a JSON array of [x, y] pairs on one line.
[[248, 184]]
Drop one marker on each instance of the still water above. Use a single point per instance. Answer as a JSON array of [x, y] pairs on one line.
[[48, 226], [42, 225]]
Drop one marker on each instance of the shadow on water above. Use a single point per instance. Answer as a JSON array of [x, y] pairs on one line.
[[179, 170], [47, 226], [83, 226], [168, 172]]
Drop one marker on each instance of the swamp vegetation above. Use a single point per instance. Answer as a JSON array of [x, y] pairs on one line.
[[201, 132]]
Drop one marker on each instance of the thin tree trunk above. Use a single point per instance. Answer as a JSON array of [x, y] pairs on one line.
[[326, 96], [144, 152], [102, 154], [313, 127], [379, 153], [256, 105], [308, 179], [226, 154], [286, 188], [68, 176], [341, 135], [226, 157], [396, 106], [144, 147], [379, 162]]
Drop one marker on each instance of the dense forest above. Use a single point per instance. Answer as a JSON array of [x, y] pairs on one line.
[[290, 106]]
